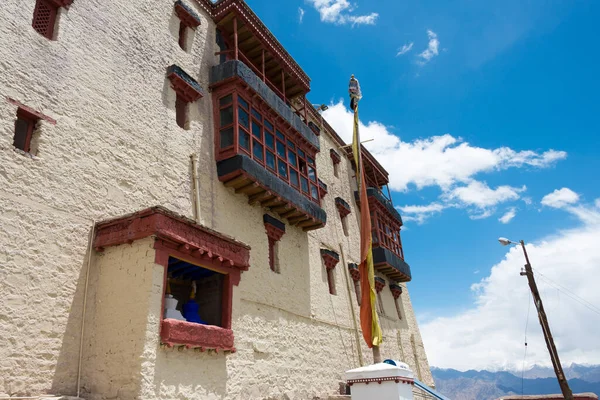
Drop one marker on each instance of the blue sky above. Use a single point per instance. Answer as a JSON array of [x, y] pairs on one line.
[[513, 85]]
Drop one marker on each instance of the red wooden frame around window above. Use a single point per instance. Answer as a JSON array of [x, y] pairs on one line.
[[44, 18], [246, 127]]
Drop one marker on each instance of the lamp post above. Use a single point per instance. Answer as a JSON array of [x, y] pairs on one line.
[[562, 380]]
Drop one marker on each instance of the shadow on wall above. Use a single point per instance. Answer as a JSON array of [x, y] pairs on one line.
[[65, 376]]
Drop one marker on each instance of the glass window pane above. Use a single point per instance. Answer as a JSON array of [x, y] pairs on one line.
[[256, 114], [294, 177], [268, 125], [226, 116], [301, 153], [243, 117], [304, 183], [244, 140], [270, 160], [223, 101], [291, 145], [256, 130], [292, 158], [314, 192], [257, 150], [282, 168], [270, 140], [280, 149], [227, 137], [280, 135], [311, 160], [312, 174], [243, 102]]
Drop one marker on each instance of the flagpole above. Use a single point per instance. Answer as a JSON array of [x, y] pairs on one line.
[[355, 96]]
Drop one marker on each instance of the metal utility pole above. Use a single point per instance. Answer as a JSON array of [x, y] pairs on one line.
[[562, 381]]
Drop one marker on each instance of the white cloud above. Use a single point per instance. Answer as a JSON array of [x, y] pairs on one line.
[[508, 216], [560, 198], [405, 49], [432, 49], [490, 333], [480, 195], [339, 12], [442, 161], [420, 213], [300, 14]]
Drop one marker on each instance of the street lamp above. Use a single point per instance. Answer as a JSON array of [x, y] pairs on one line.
[[562, 380], [321, 107]]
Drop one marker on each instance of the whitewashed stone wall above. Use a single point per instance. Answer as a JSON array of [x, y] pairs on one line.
[[116, 149]]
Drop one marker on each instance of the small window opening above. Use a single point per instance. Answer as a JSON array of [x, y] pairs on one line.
[[357, 291], [24, 129], [396, 301], [274, 255], [345, 225], [182, 112], [198, 292], [183, 36], [331, 281], [336, 169], [44, 18], [380, 303]]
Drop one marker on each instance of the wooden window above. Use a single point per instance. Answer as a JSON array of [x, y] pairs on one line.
[[183, 33], [357, 291], [380, 303], [182, 112], [24, 128], [386, 232], [331, 281], [275, 230], [261, 138], [396, 301], [44, 18]]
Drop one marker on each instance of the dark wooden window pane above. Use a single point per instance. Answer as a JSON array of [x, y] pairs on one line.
[[243, 118], [304, 184], [256, 130], [280, 136], [292, 158], [291, 145], [223, 101], [282, 168], [256, 115], [270, 140], [311, 160], [268, 125], [301, 153], [270, 160], [226, 116], [312, 174], [21, 132], [227, 137], [314, 192], [244, 140], [243, 102], [257, 150], [294, 177], [280, 149]]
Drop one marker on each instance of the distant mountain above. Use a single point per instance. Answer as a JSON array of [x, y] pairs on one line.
[[488, 385]]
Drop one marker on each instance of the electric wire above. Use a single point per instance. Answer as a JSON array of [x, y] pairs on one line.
[[569, 293]]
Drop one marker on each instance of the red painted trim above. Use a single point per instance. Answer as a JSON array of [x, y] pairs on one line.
[[184, 89], [192, 335], [379, 284], [329, 260], [342, 210], [227, 300], [28, 110], [185, 17], [185, 238]]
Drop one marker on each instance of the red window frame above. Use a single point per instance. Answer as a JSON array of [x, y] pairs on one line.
[[44, 18], [291, 158]]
